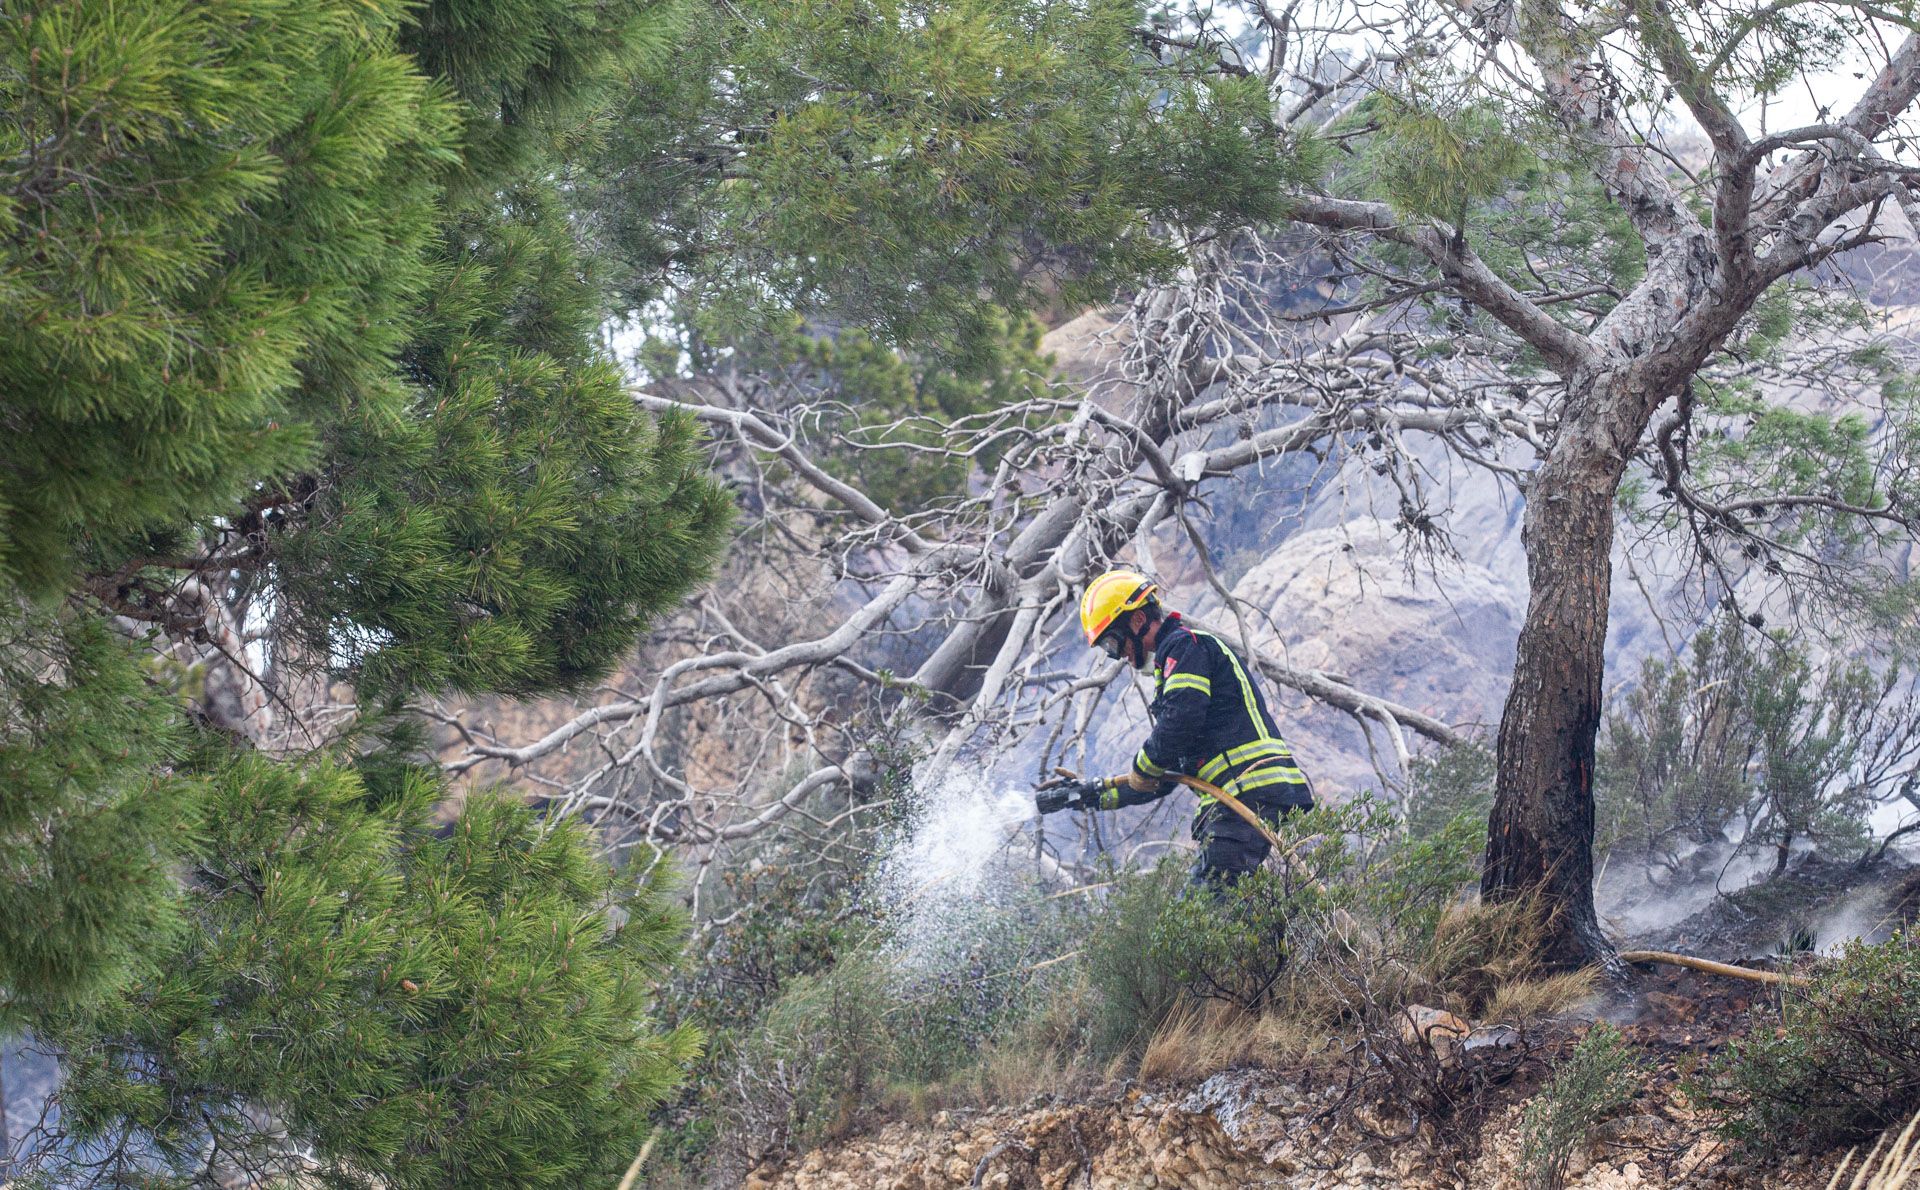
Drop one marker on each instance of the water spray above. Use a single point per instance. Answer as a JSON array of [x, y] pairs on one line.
[[946, 873]]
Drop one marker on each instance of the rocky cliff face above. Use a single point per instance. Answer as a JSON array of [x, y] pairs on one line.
[[1328, 582], [1339, 599]]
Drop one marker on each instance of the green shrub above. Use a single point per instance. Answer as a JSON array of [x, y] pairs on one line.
[[866, 1026], [1232, 947], [1135, 989], [944, 1014], [1409, 886], [1596, 1079], [818, 1057], [1845, 1061], [1447, 785], [779, 911], [365, 1000], [779, 921], [1749, 728], [1346, 879]]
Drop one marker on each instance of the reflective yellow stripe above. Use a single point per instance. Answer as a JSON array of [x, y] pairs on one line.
[[1245, 754], [1146, 765], [1260, 778], [1258, 750], [1110, 798], [1266, 746]]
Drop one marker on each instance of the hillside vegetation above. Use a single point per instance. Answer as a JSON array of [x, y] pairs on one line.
[[541, 545]]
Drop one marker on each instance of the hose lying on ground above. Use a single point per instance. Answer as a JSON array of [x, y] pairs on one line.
[[1707, 965]]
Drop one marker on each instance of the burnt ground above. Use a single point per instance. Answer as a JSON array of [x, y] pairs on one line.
[[1678, 1022], [1685, 1020], [1814, 905], [1681, 1021]]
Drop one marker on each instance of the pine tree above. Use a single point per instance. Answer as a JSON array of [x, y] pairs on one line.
[[518, 529], [919, 168], [419, 1008], [526, 70], [295, 334], [214, 217], [90, 818]]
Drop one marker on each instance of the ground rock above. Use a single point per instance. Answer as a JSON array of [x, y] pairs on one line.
[[1238, 1129], [1436, 1028], [1248, 1128]]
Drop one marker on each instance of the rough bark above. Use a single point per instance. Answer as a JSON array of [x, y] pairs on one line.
[[1540, 832], [1540, 835]]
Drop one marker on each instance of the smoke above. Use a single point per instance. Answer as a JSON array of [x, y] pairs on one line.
[[1637, 904], [1823, 898]]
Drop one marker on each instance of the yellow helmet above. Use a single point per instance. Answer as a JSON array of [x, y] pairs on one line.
[[1112, 595]]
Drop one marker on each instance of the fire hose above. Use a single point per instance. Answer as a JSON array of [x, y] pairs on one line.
[[1708, 965], [1667, 957]]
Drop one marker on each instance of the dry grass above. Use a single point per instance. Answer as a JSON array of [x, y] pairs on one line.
[[1198, 1041], [1545, 996], [1205, 1039], [1010, 1074], [1044, 1053], [1007, 1075], [1892, 1164], [1482, 963], [1478, 948]]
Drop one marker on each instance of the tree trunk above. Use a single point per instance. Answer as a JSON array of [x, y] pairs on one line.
[[1540, 834]]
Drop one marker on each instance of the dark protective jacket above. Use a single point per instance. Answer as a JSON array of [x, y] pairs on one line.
[[1209, 720]]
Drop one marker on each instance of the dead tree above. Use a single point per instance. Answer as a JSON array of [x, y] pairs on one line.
[[1203, 382]]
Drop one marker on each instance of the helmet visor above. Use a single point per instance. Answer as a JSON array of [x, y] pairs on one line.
[[1110, 643]]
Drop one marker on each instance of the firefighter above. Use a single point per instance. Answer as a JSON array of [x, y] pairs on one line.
[[1209, 720]]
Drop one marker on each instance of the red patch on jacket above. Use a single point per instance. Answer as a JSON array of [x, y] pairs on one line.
[[1171, 665]]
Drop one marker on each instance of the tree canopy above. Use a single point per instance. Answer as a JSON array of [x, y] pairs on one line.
[[305, 386], [911, 167]]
